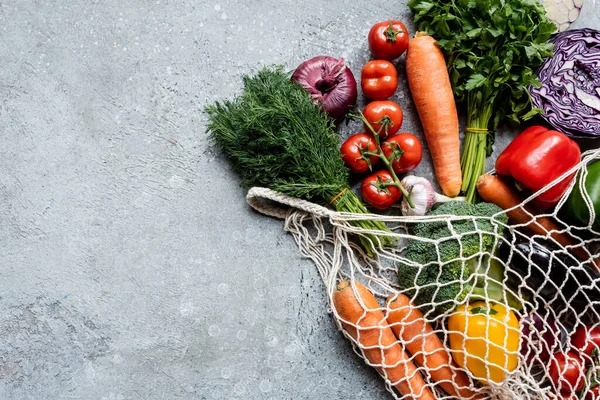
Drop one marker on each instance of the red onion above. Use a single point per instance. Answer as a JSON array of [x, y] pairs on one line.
[[541, 337], [330, 84]]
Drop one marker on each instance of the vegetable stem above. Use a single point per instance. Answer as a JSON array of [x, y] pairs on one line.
[[472, 161], [348, 202]]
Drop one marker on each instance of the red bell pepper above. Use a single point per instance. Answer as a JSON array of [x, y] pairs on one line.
[[535, 158]]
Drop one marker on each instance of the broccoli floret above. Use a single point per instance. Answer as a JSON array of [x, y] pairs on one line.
[[439, 281]]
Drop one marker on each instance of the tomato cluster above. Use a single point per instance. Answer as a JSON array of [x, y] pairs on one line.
[[381, 142], [569, 370]]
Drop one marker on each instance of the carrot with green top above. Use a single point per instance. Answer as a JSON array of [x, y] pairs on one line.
[[432, 94]]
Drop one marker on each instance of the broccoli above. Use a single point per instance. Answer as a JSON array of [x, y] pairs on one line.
[[438, 284]]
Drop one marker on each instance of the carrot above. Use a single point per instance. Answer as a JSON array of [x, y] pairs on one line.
[[367, 325], [493, 189], [422, 342], [432, 93]]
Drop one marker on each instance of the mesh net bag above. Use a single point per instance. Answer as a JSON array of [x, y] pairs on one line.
[[476, 309]]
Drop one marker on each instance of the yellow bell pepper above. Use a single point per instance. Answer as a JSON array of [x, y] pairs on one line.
[[484, 338]]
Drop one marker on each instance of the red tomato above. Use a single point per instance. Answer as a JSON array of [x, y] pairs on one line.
[[405, 150], [567, 396], [593, 393], [388, 40], [567, 372], [376, 193], [379, 79], [386, 114], [353, 150], [586, 339]]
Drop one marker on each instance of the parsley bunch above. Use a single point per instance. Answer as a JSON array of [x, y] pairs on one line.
[[491, 47]]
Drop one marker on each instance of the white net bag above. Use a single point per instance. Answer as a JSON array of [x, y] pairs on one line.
[[466, 306]]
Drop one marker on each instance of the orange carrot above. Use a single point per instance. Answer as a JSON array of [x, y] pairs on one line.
[[493, 189], [432, 93], [422, 342], [367, 325]]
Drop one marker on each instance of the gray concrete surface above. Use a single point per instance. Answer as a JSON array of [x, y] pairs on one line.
[[130, 265]]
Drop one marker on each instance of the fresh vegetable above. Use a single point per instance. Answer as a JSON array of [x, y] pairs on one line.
[[274, 136], [484, 338], [385, 117], [540, 337], [403, 150], [423, 195], [537, 157], [570, 79], [438, 283], [566, 371], [379, 79], [586, 339], [593, 393], [576, 209], [562, 12], [557, 277], [330, 83], [419, 338], [494, 190], [492, 48], [363, 319], [353, 152], [430, 88], [388, 40], [379, 190]]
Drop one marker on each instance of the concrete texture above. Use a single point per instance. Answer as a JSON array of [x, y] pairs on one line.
[[130, 265]]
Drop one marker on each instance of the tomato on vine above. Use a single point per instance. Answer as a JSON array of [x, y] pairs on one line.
[[404, 151], [388, 40], [384, 116], [379, 190], [353, 152], [593, 393], [586, 339], [567, 371]]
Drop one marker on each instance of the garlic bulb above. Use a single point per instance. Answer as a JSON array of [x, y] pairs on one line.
[[423, 195], [562, 12]]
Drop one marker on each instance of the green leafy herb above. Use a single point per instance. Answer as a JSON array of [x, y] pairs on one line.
[[275, 136], [491, 48]]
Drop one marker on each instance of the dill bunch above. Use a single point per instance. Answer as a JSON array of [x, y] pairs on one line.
[[275, 136]]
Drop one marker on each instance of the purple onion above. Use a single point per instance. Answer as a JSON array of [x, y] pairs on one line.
[[541, 337], [570, 90], [330, 84]]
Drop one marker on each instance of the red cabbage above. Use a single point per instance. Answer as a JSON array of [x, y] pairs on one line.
[[570, 90]]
